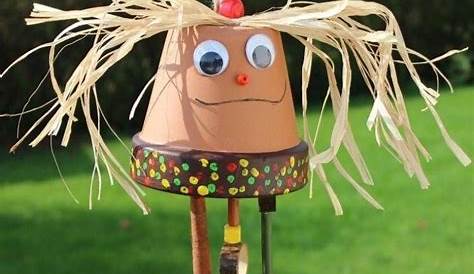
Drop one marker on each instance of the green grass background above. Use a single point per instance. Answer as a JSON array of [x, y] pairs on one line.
[[43, 231]]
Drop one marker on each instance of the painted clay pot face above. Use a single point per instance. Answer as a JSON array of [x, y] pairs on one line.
[[222, 89]]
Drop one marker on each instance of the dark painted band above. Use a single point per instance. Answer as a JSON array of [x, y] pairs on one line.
[[219, 175]]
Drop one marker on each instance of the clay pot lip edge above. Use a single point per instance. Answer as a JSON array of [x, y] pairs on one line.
[[137, 141]]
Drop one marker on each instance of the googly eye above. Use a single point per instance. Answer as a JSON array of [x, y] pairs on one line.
[[260, 51], [211, 58]]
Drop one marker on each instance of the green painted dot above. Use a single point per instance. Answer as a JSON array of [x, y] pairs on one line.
[[266, 169], [231, 178], [144, 165], [251, 180], [214, 166], [157, 175], [212, 188], [139, 173], [289, 171], [185, 166], [161, 159], [146, 153], [280, 182], [177, 181], [268, 182]]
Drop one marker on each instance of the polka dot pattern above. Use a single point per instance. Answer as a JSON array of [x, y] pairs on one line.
[[220, 175]]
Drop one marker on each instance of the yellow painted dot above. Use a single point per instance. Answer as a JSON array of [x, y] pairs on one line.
[[214, 176], [286, 191], [204, 162], [256, 193], [254, 172], [133, 169], [165, 183], [242, 189], [203, 190], [152, 173], [155, 154], [233, 191], [292, 161], [283, 171], [137, 163], [176, 171], [244, 162], [184, 190], [193, 180], [295, 174], [163, 168], [245, 172]]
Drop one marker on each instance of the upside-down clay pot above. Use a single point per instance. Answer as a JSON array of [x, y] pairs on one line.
[[220, 121]]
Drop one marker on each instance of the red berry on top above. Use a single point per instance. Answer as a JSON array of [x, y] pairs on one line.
[[231, 8]]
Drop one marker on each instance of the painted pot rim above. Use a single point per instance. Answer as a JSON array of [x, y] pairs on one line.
[[219, 174]]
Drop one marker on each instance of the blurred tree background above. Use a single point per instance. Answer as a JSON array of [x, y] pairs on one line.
[[43, 231], [430, 27]]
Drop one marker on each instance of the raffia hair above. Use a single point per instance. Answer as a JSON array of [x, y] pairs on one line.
[[335, 24]]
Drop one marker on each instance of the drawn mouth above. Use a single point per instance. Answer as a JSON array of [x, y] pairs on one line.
[[249, 99]]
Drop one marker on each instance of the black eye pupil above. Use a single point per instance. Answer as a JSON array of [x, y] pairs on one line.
[[211, 63], [262, 57]]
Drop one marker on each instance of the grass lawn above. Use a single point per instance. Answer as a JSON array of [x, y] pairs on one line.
[[43, 231]]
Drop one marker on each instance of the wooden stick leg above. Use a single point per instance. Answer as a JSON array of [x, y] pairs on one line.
[[233, 212], [200, 241]]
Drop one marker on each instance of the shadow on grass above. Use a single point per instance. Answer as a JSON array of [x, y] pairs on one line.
[[99, 242], [118, 241]]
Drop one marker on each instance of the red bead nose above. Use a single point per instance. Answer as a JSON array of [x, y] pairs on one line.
[[242, 79]]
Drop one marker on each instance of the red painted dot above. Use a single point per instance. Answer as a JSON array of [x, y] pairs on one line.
[[148, 181], [232, 167], [220, 189], [152, 161], [200, 175], [171, 164], [275, 168]]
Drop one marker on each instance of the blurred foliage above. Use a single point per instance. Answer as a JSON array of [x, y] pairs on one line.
[[432, 28]]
